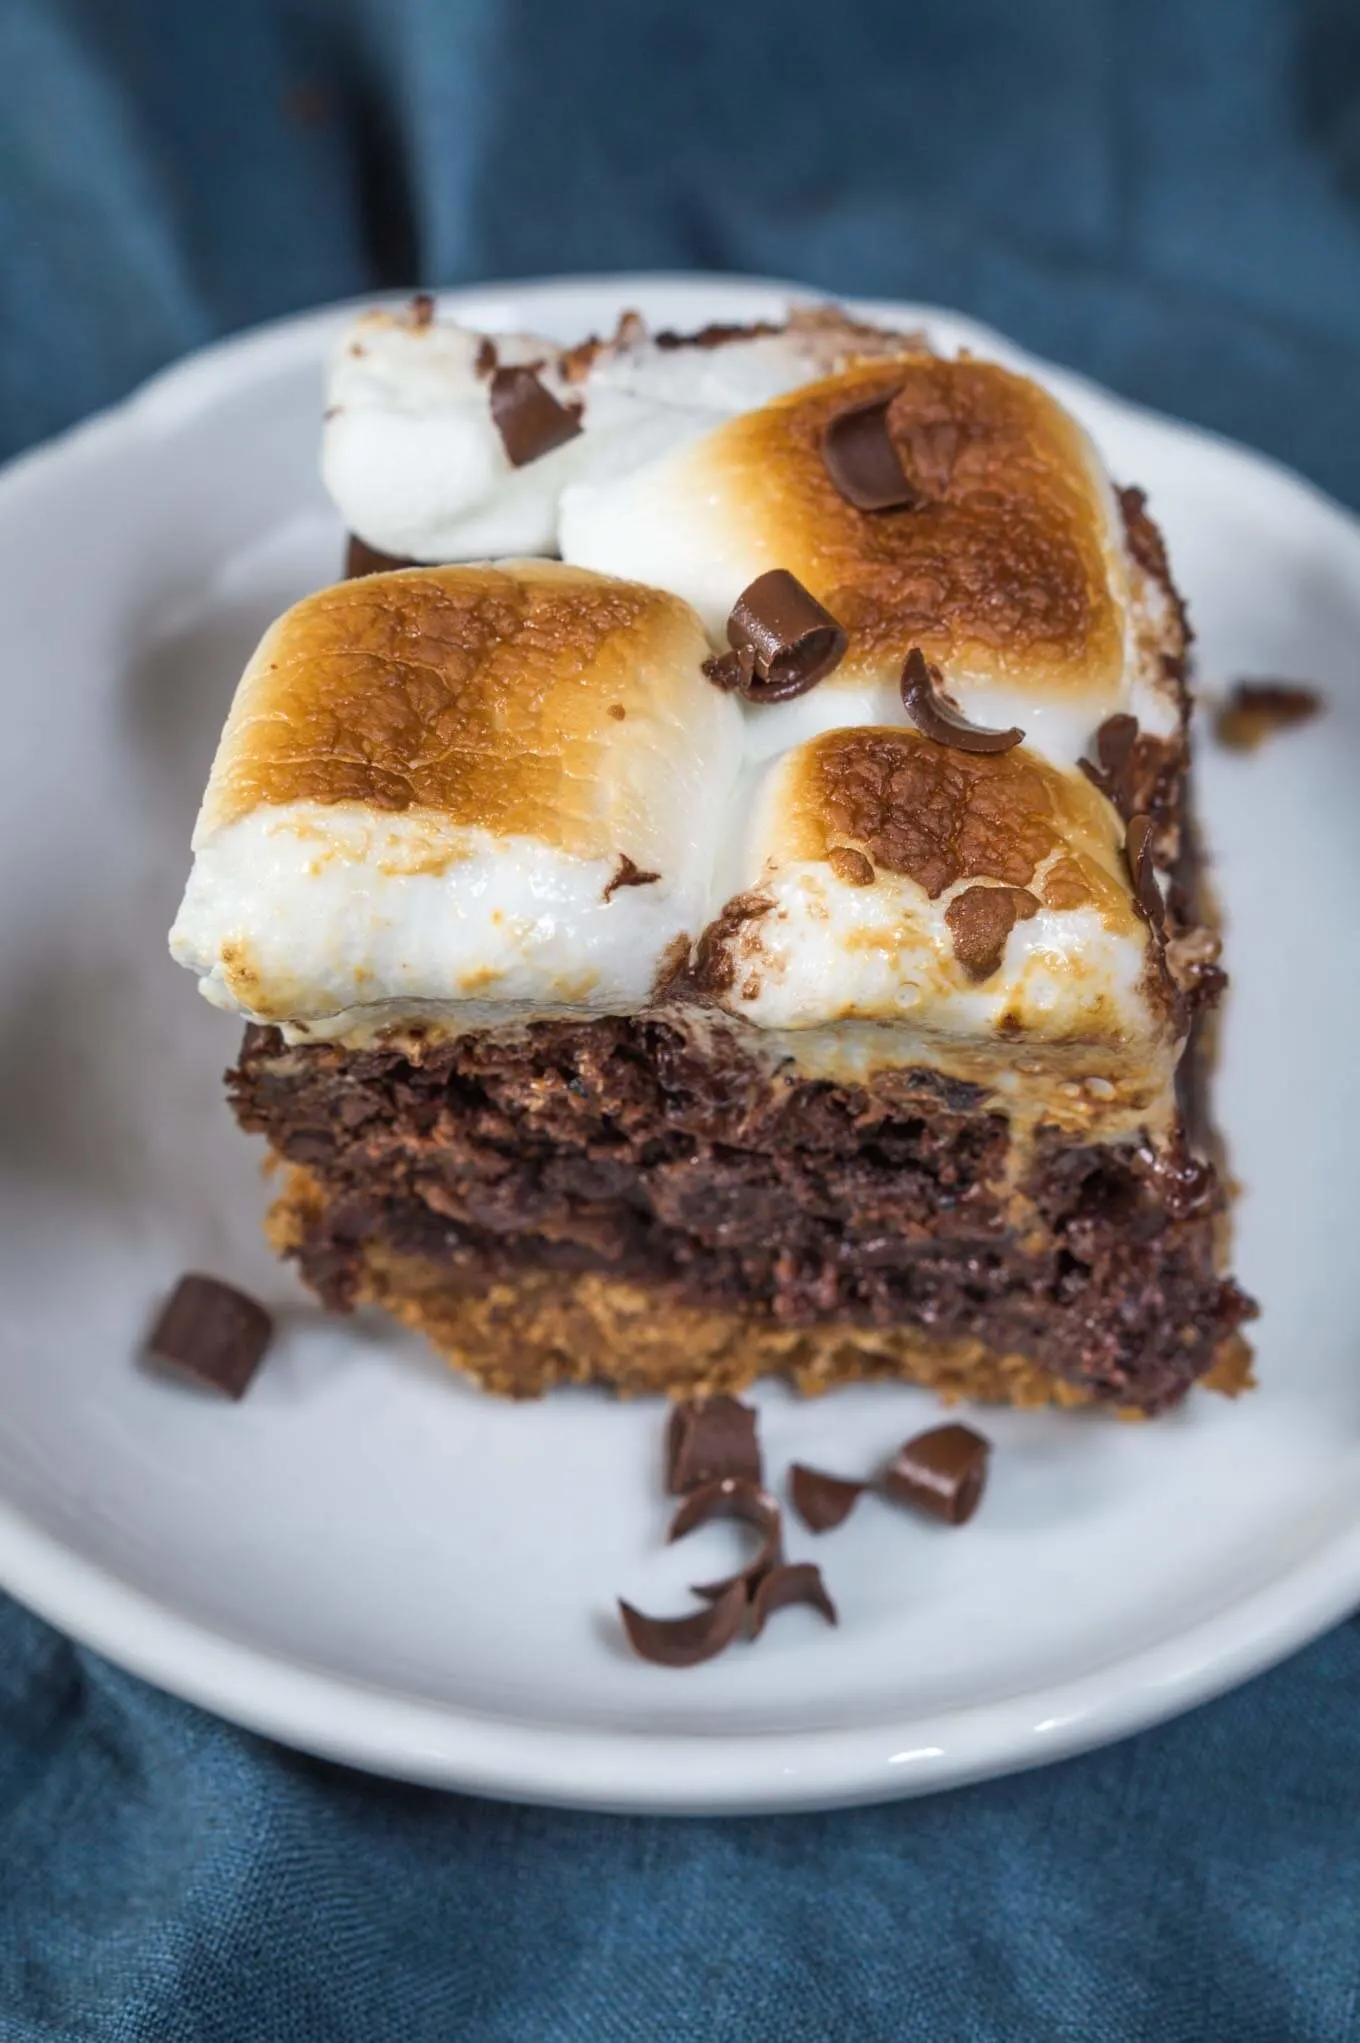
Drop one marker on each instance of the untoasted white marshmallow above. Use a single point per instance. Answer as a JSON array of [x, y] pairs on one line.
[[300, 912], [415, 463]]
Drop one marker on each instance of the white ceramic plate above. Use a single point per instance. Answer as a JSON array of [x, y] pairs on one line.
[[371, 1561]]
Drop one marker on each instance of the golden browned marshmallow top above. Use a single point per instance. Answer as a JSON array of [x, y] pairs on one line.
[[1009, 568], [1002, 564], [484, 695], [882, 878], [460, 785], [940, 816], [857, 876]]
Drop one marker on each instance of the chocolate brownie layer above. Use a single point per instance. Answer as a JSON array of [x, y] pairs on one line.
[[629, 1149], [521, 1336]]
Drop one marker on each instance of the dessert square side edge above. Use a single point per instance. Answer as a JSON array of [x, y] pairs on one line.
[[715, 891]]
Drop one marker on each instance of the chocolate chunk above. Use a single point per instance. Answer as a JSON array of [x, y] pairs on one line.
[[1115, 741], [708, 1440], [822, 1501], [213, 1333], [793, 642], [851, 866], [421, 312], [980, 920], [943, 1472], [686, 1641], [792, 1582], [1147, 893], [1113, 769], [924, 701], [1255, 710], [628, 875], [528, 417], [863, 463], [363, 559], [733, 1497]]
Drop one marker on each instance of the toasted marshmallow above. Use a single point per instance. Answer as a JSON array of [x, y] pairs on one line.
[[490, 786], [413, 458], [887, 879], [1013, 575], [467, 795]]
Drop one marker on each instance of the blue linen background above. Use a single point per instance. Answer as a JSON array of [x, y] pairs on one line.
[[1164, 194]]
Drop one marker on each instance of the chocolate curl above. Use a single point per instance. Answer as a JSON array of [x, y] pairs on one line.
[[822, 1501], [733, 1498], [863, 463], [783, 642], [687, 1641], [924, 701], [1147, 893], [794, 1582]]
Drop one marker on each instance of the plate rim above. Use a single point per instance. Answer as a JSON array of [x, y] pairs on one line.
[[607, 1767], [611, 1770]]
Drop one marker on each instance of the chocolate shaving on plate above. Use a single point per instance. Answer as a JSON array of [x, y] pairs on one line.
[[924, 700], [792, 1582], [1147, 893], [822, 1501], [733, 1497], [859, 456], [421, 311], [784, 641], [708, 1440], [528, 417], [1255, 710], [686, 1641], [942, 1472], [213, 1333]]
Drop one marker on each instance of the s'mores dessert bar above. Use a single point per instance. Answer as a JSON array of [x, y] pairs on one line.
[[713, 892]]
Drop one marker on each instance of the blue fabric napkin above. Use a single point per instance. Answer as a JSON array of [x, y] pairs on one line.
[[164, 1877], [1166, 195]]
